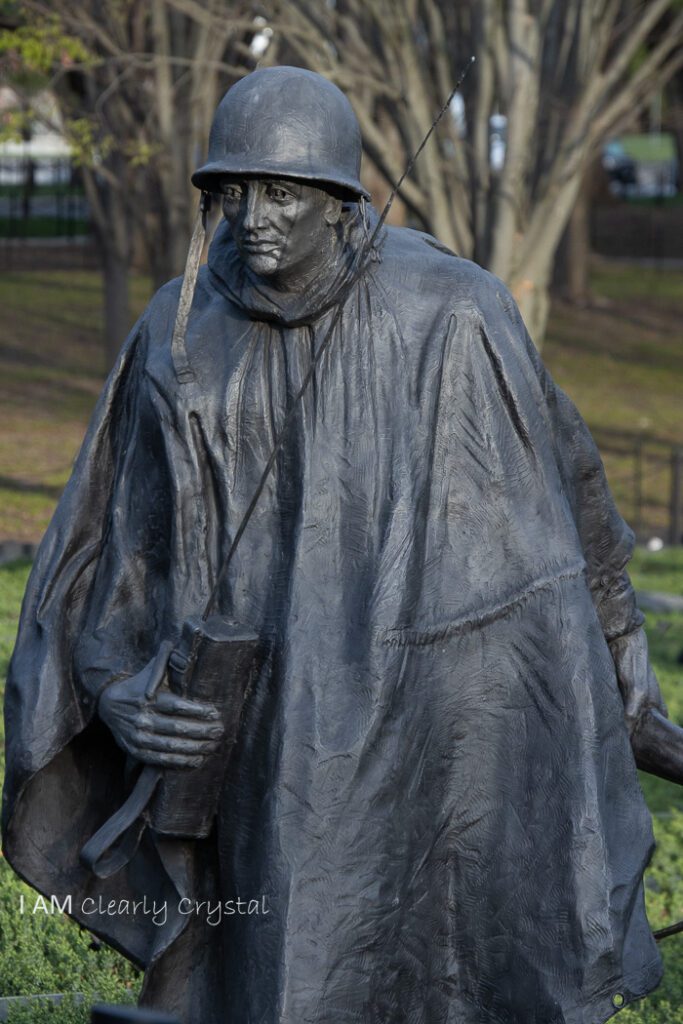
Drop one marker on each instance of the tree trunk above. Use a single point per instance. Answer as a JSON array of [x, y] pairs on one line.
[[27, 189], [572, 277], [533, 299], [117, 315], [157, 230], [560, 76], [578, 249], [111, 221]]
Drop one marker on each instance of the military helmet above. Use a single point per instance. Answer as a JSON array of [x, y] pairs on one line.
[[288, 123]]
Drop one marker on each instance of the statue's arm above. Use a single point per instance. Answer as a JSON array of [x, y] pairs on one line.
[[118, 629], [657, 742], [607, 543], [120, 652]]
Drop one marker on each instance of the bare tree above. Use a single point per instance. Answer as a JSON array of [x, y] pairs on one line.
[[138, 108], [559, 76], [563, 74]]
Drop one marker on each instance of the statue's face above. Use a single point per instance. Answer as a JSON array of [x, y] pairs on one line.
[[282, 228]]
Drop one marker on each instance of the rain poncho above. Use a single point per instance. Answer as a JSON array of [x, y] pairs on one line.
[[433, 794]]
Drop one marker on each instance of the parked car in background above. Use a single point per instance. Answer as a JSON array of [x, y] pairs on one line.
[[642, 166]]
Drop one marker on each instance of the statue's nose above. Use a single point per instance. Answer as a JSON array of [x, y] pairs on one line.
[[253, 213]]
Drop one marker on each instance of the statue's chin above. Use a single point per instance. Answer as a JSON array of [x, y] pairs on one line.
[[263, 265]]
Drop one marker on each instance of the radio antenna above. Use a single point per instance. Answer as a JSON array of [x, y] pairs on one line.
[[365, 251]]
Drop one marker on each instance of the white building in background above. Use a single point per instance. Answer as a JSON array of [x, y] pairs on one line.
[[47, 150]]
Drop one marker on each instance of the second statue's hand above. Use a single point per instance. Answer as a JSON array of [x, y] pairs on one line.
[[156, 726]]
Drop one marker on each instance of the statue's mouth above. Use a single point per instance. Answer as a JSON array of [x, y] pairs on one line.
[[261, 247]]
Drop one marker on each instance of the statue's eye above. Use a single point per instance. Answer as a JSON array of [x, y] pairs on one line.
[[232, 192], [281, 195]]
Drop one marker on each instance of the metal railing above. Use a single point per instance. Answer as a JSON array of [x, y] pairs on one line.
[[44, 216], [645, 473]]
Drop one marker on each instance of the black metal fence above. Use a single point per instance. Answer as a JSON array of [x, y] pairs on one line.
[[43, 214], [41, 199], [645, 473], [44, 217]]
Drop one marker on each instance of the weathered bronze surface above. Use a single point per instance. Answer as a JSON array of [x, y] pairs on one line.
[[431, 812]]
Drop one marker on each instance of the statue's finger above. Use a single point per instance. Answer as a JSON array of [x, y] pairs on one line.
[[191, 728], [158, 669], [175, 744], [171, 704], [165, 760]]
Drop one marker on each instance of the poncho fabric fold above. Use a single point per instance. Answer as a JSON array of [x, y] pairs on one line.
[[433, 794]]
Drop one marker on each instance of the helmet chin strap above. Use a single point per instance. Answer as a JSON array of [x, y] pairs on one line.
[[364, 216], [183, 371]]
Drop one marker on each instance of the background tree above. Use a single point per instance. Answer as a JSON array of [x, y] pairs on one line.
[[560, 76], [137, 81], [565, 74]]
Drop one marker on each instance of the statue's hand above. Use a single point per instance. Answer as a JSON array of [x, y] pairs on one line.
[[164, 730]]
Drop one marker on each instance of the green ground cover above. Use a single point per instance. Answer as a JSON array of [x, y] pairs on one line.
[[653, 146], [663, 571], [657, 572], [47, 953], [51, 371]]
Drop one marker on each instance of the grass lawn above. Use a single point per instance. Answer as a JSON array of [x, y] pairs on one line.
[[621, 359], [54, 189], [40, 953], [51, 371]]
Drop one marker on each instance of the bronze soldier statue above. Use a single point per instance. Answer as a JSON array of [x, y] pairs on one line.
[[428, 804]]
